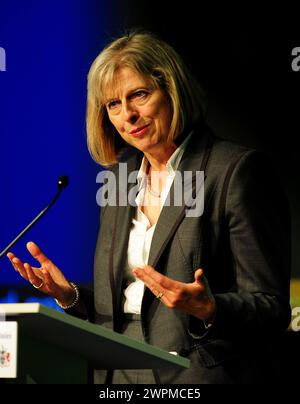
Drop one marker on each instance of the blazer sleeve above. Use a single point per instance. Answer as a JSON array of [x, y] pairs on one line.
[[85, 307], [257, 217]]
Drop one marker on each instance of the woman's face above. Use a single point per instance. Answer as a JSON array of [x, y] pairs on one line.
[[142, 115]]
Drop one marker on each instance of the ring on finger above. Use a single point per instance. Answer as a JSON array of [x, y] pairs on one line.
[[160, 295], [39, 286]]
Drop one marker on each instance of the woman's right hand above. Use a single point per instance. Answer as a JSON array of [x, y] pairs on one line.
[[48, 275]]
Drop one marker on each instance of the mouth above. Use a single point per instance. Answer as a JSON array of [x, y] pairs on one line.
[[139, 131]]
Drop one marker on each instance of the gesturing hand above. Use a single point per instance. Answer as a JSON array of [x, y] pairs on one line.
[[192, 298], [47, 278]]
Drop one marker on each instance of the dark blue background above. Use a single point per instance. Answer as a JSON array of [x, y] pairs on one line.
[[49, 48]]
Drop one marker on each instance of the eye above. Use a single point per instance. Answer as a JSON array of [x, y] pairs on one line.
[[113, 104], [140, 94]]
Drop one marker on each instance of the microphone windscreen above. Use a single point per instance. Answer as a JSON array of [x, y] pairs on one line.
[[63, 182]]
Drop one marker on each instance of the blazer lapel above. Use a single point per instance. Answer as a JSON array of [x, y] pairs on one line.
[[171, 216], [122, 218]]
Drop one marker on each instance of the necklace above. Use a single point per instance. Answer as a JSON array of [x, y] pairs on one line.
[[151, 191]]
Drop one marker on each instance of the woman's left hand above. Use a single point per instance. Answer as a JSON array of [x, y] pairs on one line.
[[192, 298]]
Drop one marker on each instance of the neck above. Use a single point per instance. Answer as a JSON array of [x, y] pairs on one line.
[[158, 159]]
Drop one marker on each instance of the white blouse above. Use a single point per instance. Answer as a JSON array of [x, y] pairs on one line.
[[140, 239]]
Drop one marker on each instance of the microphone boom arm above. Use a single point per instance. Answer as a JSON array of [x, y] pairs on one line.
[[62, 183]]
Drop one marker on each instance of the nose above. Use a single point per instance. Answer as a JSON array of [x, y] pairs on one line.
[[130, 114]]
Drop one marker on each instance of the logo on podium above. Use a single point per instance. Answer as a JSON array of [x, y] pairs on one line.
[[4, 357]]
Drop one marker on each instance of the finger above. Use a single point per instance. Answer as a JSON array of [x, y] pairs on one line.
[[11, 256], [201, 280], [48, 280], [148, 273], [50, 285], [199, 274], [37, 253], [163, 298], [32, 277], [18, 265], [147, 279], [164, 295]]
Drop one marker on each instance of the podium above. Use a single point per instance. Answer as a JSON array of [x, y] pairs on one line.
[[54, 347]]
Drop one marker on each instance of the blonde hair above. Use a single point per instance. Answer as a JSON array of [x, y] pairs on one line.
[[158, 62]]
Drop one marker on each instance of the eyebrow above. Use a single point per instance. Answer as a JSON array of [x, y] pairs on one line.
[[130, 92]]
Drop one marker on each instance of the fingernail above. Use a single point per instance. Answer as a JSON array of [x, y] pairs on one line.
[[15, 261]]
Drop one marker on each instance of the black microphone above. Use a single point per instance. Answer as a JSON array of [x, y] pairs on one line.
[[61, 183]]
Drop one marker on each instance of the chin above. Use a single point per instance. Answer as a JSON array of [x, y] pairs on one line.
[[143, 145]]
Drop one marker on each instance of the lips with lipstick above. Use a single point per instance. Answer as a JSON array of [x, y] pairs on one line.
[[141, 130]]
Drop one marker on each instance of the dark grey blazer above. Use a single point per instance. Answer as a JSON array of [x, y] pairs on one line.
[[242, 242]]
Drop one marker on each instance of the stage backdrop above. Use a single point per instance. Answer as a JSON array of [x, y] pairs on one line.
[[46, 50]]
